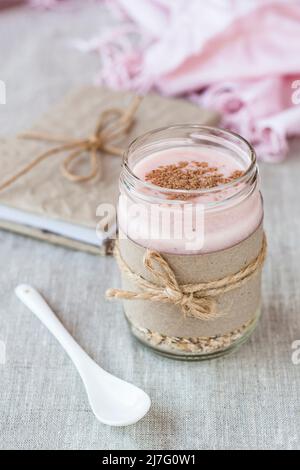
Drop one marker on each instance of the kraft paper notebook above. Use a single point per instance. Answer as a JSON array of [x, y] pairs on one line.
[[45, 205]]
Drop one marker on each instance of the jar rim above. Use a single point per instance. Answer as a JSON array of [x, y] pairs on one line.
[[247, 175]]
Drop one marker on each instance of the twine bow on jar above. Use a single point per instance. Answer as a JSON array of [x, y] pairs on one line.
[[112, 124], [165, 287], [172, 292], [195, 300]]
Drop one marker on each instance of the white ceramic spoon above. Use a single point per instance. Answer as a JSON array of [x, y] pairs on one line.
[[113, 401]]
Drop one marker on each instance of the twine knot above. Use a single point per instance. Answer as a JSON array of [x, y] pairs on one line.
[[176, 296], [112, 124], [195, 300], [190, 306], [95, 142]]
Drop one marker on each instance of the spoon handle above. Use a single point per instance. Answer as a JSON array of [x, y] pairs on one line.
[[35, 302]]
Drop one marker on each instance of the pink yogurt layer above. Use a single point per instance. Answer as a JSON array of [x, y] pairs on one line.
[[204, 227]]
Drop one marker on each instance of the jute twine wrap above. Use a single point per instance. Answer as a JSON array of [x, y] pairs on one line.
[[112, 124], [195, 300]]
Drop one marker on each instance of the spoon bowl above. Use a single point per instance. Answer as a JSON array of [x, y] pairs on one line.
[[114, 401]]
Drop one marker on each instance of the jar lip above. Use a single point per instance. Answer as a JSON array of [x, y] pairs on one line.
[[241, 179]]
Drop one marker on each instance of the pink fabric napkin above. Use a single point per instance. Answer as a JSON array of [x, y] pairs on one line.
[[261, 110], [10, 3], [239, 57]]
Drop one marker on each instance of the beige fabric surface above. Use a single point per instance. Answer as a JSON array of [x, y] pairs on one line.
[[248, 400]]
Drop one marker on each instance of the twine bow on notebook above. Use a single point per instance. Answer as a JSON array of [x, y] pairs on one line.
[[112, 124], [195, 300]]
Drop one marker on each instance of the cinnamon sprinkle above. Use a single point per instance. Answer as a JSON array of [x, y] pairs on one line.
[[189, 175]]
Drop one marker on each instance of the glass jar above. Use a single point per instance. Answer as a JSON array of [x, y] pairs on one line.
[[205, 235]]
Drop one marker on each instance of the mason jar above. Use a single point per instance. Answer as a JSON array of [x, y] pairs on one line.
[[191, 251]]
